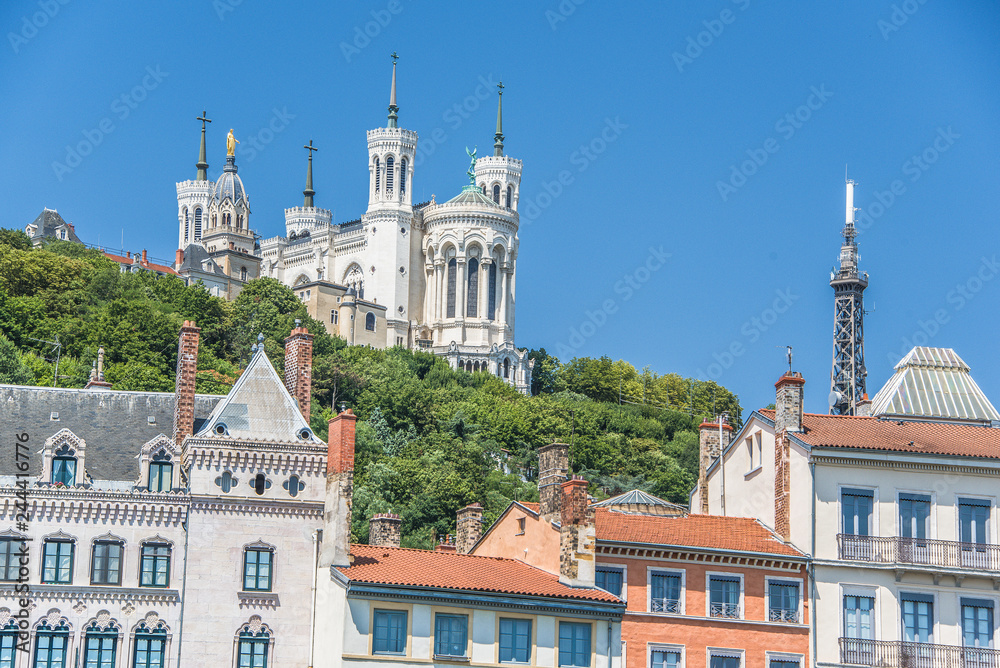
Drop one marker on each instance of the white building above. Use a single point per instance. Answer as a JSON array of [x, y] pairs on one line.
[[897, 509]]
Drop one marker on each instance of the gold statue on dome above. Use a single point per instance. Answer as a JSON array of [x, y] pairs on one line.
[[231, 143]]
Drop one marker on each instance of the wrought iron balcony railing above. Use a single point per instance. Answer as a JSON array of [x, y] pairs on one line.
[[919, 551], [900, 654], [779, 615], [727, 610], [666, 605]]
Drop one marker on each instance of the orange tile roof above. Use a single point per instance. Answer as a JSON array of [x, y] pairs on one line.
[[145, 265], [448, 570], [738, 534], [871, 433]]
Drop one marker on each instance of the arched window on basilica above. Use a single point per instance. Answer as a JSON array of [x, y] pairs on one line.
[[472, 299], [390, 164], [243, 274], [452, 278], [370, 322], [378, 174], [402, 176], [197, 223], [510, 197], [496, 193]]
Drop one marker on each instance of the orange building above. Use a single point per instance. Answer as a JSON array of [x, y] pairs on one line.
[[701, 591]]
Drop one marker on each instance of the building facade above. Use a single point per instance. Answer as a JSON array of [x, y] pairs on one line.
[[898, 511]]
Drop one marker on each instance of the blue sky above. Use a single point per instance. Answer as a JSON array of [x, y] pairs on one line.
[[635, 122]]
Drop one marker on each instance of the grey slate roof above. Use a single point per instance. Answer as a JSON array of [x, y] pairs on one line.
[[195, 256], [47, 222], [258, 408], [114, 424], [933, 384]]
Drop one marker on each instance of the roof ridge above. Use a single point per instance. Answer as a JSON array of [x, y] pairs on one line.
[[449, 554]]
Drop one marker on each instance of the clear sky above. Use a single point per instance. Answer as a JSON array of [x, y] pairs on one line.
[[639, 209]]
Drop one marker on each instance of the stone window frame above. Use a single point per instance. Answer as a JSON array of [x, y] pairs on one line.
[[10, 536], [104, 623], [53, 620], [157, 540], [258, 546], [254, 626], [58, 537], [152, 623], [664, 647], [64, 443], [607, 565], [108, 538], [160, 443]]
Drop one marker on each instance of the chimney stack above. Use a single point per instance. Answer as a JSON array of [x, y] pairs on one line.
[[187, 367], [553, 467], [178, 259], [336, 550], [787, 419], [384, 530], [710, 447], [144, 256], [470, 527], [577, 536], [864, 407], [298, 367], [446, 545]]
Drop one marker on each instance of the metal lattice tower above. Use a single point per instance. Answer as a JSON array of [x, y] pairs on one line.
[[847, 377]]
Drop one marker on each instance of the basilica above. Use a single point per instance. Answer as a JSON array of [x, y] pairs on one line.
[[433, 276]]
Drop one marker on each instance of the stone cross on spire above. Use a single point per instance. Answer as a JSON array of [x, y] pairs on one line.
[[498, 144], [392, 93], [202, 163], [309, 192]]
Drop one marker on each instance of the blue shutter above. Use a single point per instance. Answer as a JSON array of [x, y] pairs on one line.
[[515, 640]]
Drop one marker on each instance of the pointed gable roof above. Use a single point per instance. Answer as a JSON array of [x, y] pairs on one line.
[[933, 384], [258, 408]]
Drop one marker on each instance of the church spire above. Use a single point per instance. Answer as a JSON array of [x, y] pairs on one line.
[[498, 144], [202, 163], [392, 93], [309, 192]]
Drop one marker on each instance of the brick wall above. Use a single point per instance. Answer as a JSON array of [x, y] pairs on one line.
[[298, 368], [787, 419], [187, 367]]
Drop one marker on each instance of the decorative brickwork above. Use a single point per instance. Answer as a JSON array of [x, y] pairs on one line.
[[187, 367], [470, 527], [384, 530], [787, 419], [553, 467], [340, 456], [336, 548], [710, 449], [577, 536], [298, 368]]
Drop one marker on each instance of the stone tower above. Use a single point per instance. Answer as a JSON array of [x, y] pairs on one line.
[[847, 377], [193, 198]]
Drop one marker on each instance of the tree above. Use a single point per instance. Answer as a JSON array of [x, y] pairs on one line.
[[16, 239], [13, 370]]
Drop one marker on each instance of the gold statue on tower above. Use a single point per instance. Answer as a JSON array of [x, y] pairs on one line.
[[231, 143]]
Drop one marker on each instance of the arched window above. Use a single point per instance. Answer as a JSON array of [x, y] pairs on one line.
[[510, 197], [496, 193], [472, 298], [215, 220], [506, 368], [452, 276], [370, 322], [226, 481], [402, 176], [51, 644], [243, 274], [197, 223], [260, 484], [253, 648], [161, 472], [491, 310], [378, 174], [150, 646], [294, 485], [8, 641], [99, 646], [64, 467], [390, 163], [187, 226]]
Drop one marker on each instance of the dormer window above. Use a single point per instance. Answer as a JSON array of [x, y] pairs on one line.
[[64, 468], [161, 475]]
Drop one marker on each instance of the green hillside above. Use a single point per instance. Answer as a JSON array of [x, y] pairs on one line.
[[430, 439]]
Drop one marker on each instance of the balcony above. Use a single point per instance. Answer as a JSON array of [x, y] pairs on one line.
[[899, 654], [725, 610], [919, 551], [783, 615], [671, 605]]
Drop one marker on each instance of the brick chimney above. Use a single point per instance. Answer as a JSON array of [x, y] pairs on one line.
[[470, 527], [187, 367], [553, 467], [710, 448], [298, 367], [336, 549], [787, 419], [178, 259], [384, 530], [577, 536], [144, 256]]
